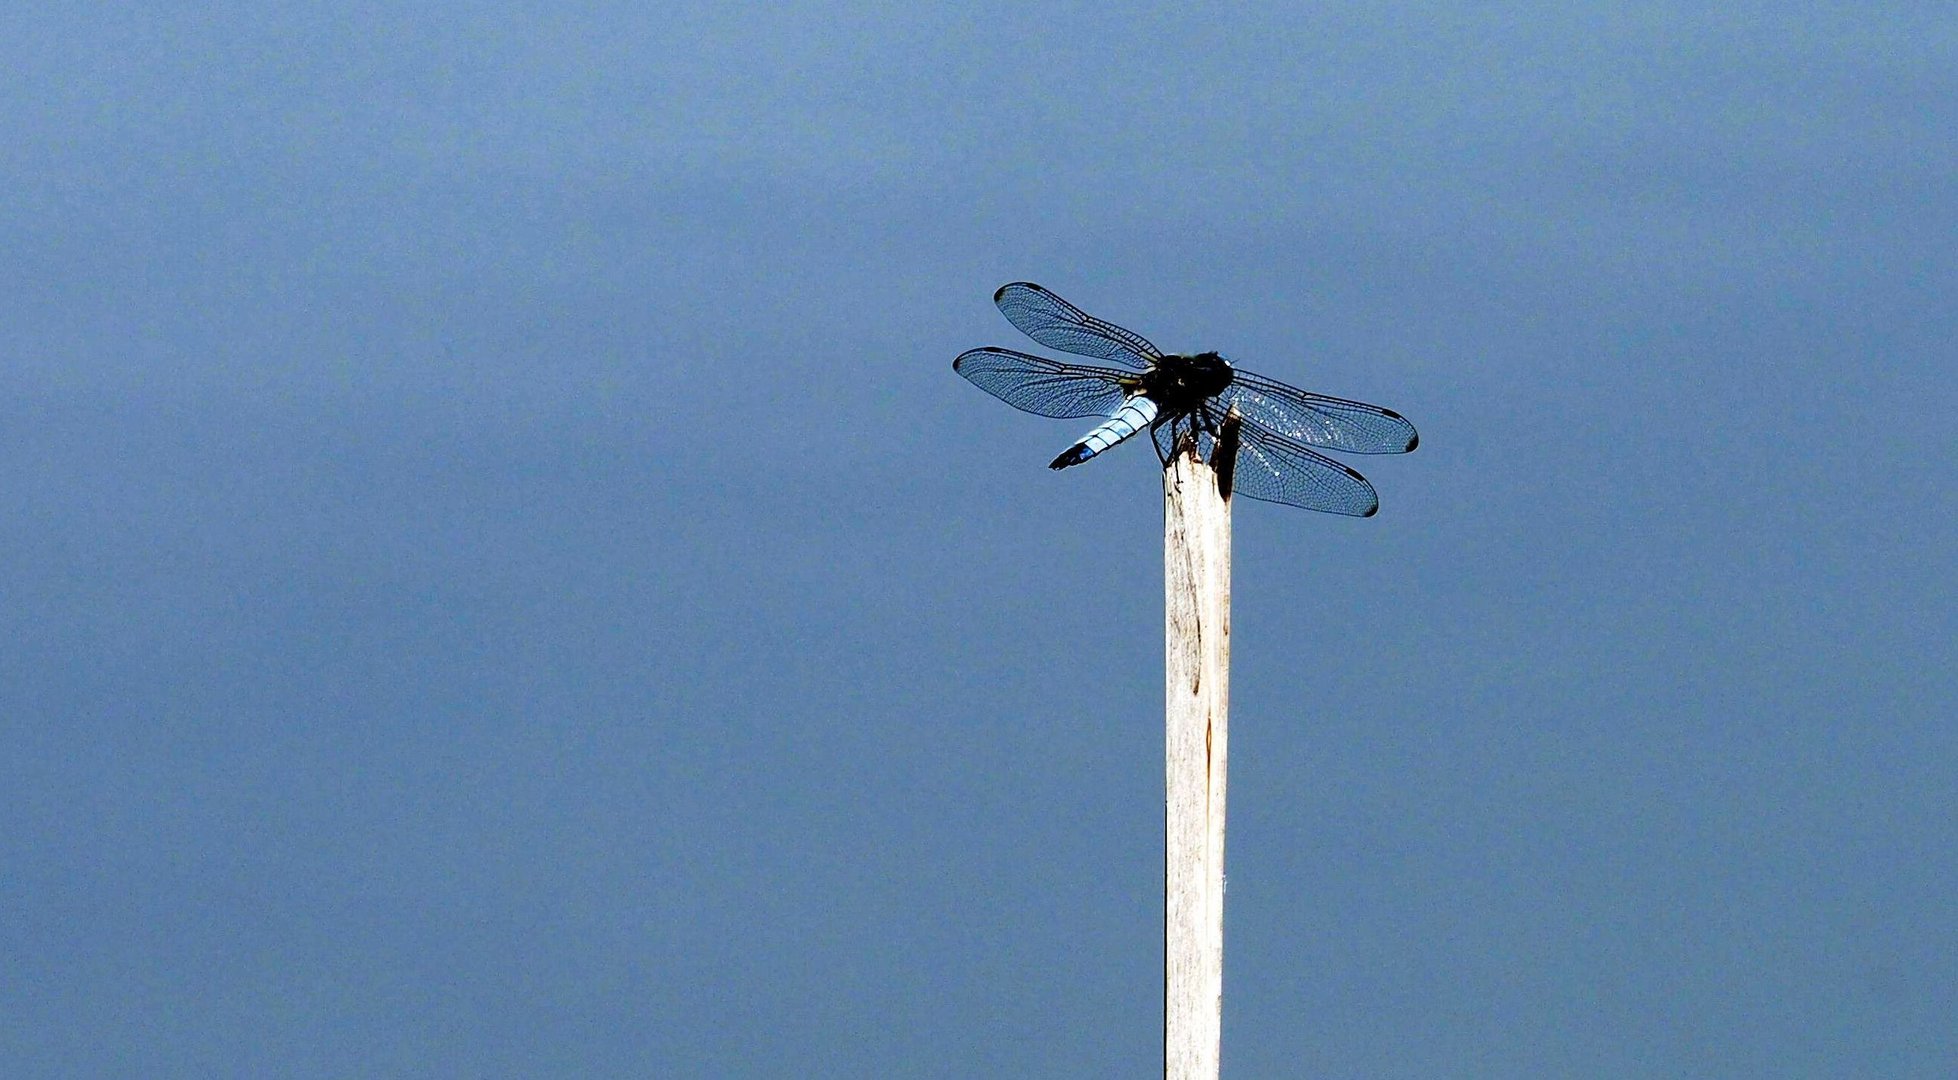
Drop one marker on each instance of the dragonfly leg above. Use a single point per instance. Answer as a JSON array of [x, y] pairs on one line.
[[1168, 435]]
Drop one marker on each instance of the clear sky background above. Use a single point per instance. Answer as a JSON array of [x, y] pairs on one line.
[[499, 578]]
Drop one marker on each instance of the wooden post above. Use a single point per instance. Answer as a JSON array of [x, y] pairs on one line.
[[1197, 614]]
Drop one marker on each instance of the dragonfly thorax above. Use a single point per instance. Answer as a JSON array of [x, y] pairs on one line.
[[1183, 383]]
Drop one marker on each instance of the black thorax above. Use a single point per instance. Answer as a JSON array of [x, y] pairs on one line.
[[1179, 384]]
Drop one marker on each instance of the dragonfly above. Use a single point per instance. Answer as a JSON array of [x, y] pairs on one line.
[[1180, 397]]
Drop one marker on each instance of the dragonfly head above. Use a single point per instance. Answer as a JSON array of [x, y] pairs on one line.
[[1212, 368]]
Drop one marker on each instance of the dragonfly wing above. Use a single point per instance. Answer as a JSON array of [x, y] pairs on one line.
[[1276, 469], [1057, 324], [1044, 387], [1334, 423]]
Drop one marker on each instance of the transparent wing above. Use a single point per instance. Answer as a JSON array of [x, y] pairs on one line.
[[1057, 324], [1334, 423], [1276, 469], [1273, 468], [1044, 387]]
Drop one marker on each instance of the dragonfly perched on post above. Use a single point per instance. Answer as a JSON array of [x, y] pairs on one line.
[[1178, 397]]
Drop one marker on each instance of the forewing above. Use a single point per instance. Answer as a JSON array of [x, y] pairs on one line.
[[1353, 427], [1041, 386], [1057, 324]]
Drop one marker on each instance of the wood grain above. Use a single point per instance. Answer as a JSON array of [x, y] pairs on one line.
[[1197, 601]]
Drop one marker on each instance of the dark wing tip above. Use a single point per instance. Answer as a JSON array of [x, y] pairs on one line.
[[1373, 507], [1001, 291], [958, 362], [1413, 436]]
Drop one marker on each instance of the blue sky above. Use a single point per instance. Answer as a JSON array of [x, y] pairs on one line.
[[499, 577]]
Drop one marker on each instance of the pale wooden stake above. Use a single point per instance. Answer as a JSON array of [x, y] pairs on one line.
[[1197, 614]]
